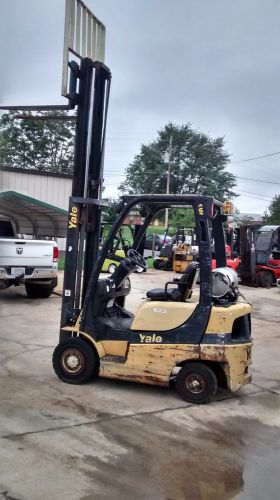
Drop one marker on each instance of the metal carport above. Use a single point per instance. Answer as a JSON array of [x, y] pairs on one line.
[[32, 216]]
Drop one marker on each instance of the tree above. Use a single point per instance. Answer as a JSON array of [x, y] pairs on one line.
[[109, 213], [272, 216], [179, 217], [45, 145], [197, 165]]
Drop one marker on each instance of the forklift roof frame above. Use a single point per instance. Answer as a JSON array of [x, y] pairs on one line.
[[203, 207], [266, 229]]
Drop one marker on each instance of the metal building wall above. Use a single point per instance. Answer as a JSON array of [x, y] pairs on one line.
[[51, 189]]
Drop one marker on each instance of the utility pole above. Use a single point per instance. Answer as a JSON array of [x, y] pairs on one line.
[[169, 159]]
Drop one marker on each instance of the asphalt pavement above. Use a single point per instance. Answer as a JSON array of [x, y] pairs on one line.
[[120, 440]]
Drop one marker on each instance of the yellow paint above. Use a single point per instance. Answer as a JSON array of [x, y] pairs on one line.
[[77, 333], [70, 329], [73, 218], [115, 347], [159, 316], [180, 266], [149, 364], [200, 209], [228, 207], [222, 318], [153, 364], [234, 359]]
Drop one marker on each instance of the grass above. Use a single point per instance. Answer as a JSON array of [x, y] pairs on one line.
[[61, 263], [157, 230], [150, 262]]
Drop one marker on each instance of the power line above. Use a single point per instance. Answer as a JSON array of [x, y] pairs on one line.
[[254, 197], [116, 173], [256, 157], [257, 180], [249, 192]]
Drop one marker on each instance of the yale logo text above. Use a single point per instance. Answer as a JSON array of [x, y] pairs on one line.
[[200, 209], [147, 339], [73, 218]]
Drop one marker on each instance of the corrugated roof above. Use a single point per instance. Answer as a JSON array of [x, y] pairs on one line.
[[32, 216]]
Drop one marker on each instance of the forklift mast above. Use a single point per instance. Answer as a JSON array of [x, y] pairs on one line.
[[85, 204], [248, 270]]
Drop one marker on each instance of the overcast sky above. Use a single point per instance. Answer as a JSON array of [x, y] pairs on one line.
[[212, 63]]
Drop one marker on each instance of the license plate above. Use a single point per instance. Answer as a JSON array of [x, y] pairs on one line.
[[17, 271]]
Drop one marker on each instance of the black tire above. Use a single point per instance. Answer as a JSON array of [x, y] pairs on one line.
[[196, 383], [157, 264], [35, 291], [168, 265], [82, 354], [266, 279]]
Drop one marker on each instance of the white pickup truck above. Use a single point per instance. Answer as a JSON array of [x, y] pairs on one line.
[[29, 262]]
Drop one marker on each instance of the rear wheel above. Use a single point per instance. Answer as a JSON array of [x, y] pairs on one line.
[[196, 383], [75, 361], [266, 279], [38, 291]]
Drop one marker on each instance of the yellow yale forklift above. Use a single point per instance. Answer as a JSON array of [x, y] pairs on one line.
[[199, 341]]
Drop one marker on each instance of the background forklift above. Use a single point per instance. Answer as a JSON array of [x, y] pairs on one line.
[[121, 244], [200, 342], [260, 255], [178, 253]]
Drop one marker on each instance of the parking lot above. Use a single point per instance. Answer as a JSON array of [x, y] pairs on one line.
[[120, 440]]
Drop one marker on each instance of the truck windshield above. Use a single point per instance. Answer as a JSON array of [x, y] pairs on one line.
[[264, 240], [6, 229]]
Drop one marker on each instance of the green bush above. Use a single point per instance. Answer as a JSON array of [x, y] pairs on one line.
[[61, 263], [150, 262]]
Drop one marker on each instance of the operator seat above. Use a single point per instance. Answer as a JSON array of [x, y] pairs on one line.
[[183, 290]]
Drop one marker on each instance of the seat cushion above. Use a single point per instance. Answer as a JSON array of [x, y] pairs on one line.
[[160, 294], [157, 294]]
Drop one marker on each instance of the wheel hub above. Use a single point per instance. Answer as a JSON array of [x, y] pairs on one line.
[[195, 384], [72, 361]]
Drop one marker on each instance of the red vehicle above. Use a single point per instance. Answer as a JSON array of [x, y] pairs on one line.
[[231, 262], [268, 255]]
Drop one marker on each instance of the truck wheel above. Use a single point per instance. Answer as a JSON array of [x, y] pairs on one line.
[[112, 268], [35, 291], [74, 361], [196, 383], [266, 279]]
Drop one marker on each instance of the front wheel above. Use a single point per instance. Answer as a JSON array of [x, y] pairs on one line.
[[196, 383], [75, 361], [39, 291], [112, 268]]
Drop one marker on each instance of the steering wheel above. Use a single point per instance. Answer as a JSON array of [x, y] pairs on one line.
[[136, 258]]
